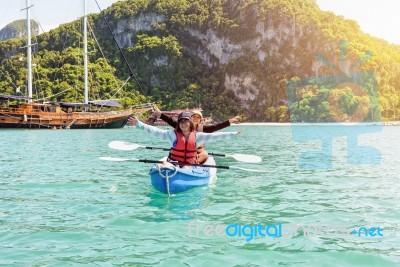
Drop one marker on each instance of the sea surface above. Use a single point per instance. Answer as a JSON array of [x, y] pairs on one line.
[[60, 205]]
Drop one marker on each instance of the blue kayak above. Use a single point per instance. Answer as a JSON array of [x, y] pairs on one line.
[[173, 179]]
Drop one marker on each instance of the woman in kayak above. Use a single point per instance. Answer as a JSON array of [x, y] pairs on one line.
[[184, 139], [197, 119]]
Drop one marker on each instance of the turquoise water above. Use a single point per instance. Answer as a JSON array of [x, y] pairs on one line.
[[60, 205]]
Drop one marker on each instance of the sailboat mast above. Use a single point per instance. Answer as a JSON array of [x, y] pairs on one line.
[[85, 53], [29, 50]]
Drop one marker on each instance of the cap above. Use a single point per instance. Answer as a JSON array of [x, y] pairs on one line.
[[184, 115], [197, 112]]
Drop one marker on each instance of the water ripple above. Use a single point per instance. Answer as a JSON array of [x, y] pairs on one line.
[[61, 205]]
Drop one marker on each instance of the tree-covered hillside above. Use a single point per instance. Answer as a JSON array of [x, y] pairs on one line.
[[269, 60]]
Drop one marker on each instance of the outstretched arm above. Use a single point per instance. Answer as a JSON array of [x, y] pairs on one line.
[[209, 137], [163, 134], [221, 125], [234, 119]]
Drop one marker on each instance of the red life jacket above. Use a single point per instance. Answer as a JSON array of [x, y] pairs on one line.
[[182, 151]]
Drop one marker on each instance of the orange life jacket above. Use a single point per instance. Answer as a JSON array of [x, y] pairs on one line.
[[184, 151]]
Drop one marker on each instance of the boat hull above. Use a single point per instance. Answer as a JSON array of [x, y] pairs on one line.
[[108, 125], [48, 117], [172, 180]]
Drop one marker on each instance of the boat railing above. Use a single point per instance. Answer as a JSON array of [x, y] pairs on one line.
[[108, 114], [11, 110]]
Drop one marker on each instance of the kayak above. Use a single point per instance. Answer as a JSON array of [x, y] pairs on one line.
[[173, 179]]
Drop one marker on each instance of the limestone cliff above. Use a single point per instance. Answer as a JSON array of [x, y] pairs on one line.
[[253, 48], [229, 56], [271, 44], [17, 29]]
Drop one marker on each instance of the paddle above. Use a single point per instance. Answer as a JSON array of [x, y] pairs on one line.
[[121, 145], [188, 164]]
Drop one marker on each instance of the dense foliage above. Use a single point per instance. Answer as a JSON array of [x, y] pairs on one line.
[[58, 69], [304, 50]]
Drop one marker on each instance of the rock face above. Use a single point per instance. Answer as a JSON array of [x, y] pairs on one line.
[[17, 29], [253, 49], [127, 28], [271, 42]]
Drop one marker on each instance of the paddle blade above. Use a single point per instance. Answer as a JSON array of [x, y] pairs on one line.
[[246, 158], [121, 145], [117, 159], [245, 169]]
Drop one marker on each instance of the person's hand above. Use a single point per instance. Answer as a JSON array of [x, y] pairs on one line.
[[234, 119], [132, 120], [157, 111]]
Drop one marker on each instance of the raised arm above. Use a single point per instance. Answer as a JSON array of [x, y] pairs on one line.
[[168, 120], [218, 126], [164, 117]]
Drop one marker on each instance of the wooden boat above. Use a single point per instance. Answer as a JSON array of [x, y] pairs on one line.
[[56, 115], [62, 115], [23, 112], [172, 180]]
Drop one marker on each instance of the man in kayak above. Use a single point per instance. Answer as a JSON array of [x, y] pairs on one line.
[[197, 119], [184, 139]]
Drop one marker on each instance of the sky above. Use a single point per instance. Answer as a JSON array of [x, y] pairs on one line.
[[49, 13], [379, 18]]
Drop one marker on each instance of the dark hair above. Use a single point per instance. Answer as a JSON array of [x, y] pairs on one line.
[[191, 128]]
